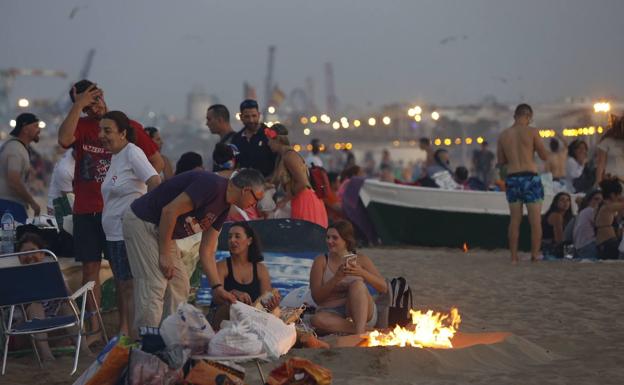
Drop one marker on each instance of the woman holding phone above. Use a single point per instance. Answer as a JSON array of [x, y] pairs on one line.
[[338, 282]]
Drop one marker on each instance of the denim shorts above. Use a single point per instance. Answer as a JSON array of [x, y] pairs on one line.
[[118, 259]]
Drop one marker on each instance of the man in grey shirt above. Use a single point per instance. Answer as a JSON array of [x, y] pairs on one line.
[[14, 168]]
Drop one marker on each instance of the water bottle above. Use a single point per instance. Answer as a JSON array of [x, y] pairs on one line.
[[7, 233]]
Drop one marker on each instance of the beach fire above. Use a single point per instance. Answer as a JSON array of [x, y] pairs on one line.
[[427, 330], [465, 247]]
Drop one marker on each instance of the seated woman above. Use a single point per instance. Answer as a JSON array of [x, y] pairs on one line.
[[338, 282], [243, 273], [584, 234], [605, 221], [554, 222]]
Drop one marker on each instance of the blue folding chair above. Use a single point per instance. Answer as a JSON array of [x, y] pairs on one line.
[[21, 285]]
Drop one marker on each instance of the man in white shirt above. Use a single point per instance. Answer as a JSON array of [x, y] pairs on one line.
[[61, 182], [314, 157]]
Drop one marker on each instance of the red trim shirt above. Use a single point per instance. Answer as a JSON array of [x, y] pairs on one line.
[[93, 160]]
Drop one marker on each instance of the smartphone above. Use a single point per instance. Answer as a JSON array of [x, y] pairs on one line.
[[350, 259]]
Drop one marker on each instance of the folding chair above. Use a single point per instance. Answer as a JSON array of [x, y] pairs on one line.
[[21, 285]]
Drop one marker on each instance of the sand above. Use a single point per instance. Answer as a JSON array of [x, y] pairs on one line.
[[565, 319]]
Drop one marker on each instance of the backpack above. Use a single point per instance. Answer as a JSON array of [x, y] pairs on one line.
[[319, 181], [400, 303]]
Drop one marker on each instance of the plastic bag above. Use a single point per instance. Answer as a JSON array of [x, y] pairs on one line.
[[235, 339], [187, 327], [147, 369], [300, 296], [276, 336], [300, 371]]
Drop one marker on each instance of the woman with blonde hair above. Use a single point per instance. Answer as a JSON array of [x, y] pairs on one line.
[[291, 174]]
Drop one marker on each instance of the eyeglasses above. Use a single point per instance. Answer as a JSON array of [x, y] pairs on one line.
[[254, 196]]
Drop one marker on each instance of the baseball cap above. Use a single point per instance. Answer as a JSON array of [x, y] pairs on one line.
[[23, 120]]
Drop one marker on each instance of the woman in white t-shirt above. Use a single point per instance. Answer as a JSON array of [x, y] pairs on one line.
[[610, 155], [129, 176]]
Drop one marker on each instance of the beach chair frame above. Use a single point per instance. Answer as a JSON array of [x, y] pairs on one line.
[[21, 285]]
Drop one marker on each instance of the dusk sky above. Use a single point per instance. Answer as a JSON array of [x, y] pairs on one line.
[[151, 53]]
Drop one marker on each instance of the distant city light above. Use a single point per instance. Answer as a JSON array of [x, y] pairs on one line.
[[447, 142], [386, 120], [417, 110], [313, 119], [411, 112], [435, 115], [304, 120], [480, 140], [599, 130], [468, 141], [271, 110], [335, 125], [396, 143], [238, 116], [42, 124], [309, 147], [357, 123], [13, 123], [349, 146], [297, 147], [23, 103], [337, 146], [269, 124], [344, 119], [151, 114], [437, 141], [325, 119], [602, 107], [372, 122], [418, 118], [457, 140], [306, 131], [344, 123]]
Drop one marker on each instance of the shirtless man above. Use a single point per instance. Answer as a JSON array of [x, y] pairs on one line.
[[516, 147], [556, 162]]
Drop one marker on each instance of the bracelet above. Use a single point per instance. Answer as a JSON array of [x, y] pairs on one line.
[[216, 286]]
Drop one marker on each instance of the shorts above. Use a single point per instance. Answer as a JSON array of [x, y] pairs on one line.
[[118, 259], [524, 187], [89, 238], [342, 311], [609, 249]]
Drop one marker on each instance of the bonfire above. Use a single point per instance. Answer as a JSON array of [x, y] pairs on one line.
[[427, 330]]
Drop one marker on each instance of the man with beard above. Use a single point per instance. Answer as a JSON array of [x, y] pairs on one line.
[[218, 121], [92, 162], [14, 167], [252, 142]]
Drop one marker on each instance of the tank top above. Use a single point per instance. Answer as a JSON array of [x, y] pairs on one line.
[[338, 296], [252, 288]]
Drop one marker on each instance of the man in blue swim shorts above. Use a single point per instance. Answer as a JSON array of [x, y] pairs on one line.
[[516, 148]]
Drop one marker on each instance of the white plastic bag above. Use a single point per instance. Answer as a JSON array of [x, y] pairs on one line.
[[187, 327], [297, 297], [277, 337], [235, 339]]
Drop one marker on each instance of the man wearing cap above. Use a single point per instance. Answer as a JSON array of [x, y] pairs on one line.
[[252, 142], [14, 167], [92, 162]]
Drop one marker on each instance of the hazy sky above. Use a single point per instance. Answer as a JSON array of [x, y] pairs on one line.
[[150, 53]]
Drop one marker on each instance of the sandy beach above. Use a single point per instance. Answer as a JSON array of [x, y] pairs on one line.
[[566, 321]]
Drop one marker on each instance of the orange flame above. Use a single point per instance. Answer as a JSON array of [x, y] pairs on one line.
[[428, 329], [465, 247]]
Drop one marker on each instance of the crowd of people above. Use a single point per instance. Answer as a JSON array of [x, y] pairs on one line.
[[130, 205]]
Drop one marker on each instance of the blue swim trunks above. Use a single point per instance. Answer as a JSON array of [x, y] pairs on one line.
[[524, 187]]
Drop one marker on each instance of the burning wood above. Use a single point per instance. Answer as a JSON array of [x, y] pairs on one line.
[[433, 330], [465, 247]]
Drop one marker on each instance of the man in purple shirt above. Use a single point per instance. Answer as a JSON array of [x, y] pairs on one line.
[[189, 203]]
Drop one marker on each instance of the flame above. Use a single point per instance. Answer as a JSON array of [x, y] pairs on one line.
[[465, 247], [428, 329]]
